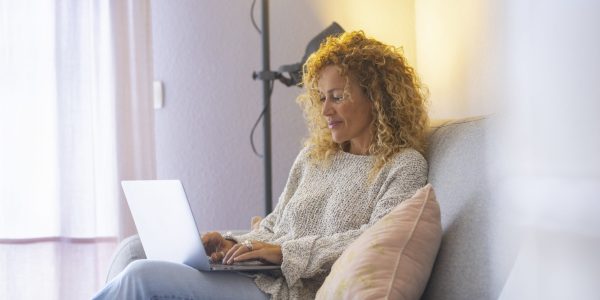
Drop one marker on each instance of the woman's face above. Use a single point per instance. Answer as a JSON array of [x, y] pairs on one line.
[[348, 117]]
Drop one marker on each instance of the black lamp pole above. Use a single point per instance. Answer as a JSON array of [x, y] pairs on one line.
[[268, 77], [266, 102]]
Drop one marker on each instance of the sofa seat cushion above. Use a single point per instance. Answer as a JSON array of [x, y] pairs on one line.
[[392, 259]]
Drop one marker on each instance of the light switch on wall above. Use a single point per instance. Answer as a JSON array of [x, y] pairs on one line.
[[158, 95]]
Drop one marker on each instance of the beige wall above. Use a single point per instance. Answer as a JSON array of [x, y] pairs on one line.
[[390, 21], [456, 49]]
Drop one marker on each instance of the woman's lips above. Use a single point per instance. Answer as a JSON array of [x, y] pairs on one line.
[[334, 124]]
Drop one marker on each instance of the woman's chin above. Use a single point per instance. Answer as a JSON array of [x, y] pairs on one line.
[[338, 140]]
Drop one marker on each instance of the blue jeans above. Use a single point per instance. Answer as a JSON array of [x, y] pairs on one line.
[[150, 279]]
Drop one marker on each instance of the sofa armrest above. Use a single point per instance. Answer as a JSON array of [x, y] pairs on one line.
[[128, 250]]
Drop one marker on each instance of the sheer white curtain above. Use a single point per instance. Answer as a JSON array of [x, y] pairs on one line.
[[75, 118], [546, 150]]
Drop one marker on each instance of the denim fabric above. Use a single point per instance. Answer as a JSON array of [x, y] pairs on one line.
[[149, 279]]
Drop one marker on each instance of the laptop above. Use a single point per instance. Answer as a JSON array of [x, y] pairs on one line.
[[167, 228]]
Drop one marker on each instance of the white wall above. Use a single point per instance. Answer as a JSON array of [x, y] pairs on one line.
[[205, 52]]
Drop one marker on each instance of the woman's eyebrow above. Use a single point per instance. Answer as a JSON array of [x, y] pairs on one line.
[[333, 90]]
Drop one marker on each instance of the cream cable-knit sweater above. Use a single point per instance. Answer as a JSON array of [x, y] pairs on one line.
[[324, 208]]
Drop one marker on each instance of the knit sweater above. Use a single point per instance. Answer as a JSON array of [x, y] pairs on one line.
[[323, 208]]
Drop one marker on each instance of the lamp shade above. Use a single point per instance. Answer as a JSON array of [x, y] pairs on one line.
[[295, 70]]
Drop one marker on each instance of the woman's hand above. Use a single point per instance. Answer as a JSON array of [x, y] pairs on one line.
[[216, 245], [260, 251]]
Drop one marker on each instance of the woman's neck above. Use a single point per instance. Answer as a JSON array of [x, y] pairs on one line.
[[356, 148]]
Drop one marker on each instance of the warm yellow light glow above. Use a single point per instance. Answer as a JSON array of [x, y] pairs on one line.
[[450, 43], [390, 21]]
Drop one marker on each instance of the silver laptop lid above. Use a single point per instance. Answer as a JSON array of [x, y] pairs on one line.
[[164, 222]]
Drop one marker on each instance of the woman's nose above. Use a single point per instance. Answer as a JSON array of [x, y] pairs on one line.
[[327, 110]]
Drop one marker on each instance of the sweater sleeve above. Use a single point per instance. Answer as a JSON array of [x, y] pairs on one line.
[[265, 230], [314, 255]]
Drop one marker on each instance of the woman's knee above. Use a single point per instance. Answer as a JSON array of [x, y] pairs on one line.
[[140, 266], [143, 270]]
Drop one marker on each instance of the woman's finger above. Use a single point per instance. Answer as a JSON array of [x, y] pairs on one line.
[[252, 255], [235, 250], [229, 253], [241, 249], [269, 254]]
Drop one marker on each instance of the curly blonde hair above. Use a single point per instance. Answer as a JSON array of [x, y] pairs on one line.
[[399, 99]]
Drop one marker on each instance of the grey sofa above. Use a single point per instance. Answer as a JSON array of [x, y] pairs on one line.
[[457, 171]]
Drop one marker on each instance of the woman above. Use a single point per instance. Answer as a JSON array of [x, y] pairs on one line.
[[366, 115]]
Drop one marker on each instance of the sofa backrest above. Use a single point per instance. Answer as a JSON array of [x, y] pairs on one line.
[[457, 171]]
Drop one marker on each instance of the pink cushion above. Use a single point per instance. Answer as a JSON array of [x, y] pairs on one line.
[[393, 258]]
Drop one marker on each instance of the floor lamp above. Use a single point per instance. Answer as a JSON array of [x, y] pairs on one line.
[[268, 77]]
